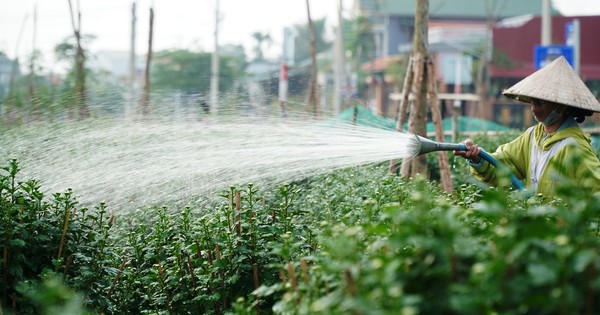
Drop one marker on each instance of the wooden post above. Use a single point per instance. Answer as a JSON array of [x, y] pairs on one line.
[[401, 114], [417, 122], [436, 117], [80, 101], [145, 108], [312, 97]]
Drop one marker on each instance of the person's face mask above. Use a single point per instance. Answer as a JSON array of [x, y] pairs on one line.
[[554, 115], [554, 111]]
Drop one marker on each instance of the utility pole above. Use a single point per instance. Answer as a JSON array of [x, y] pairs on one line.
[[311, 98], [546, 23], [33, 58], [145, 107], [131, 60], [339, 62], [214, 69]]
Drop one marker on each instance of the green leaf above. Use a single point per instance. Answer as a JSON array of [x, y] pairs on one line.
[[541, 274]]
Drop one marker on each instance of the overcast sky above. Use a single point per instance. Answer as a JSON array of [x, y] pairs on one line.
[[185, 24]]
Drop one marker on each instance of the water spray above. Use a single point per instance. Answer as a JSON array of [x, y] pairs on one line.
[[127, 164], [428, 146]]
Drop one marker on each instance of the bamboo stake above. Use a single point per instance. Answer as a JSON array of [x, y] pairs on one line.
[[293, 277], [164, 288], [5, 256], [114, 282], [436, 116], [67, 264], [406, 87], [350, 282], [191, 271], [401, 114], [210, 258], [230, 214], [64, 232], [255, 275], [282, 275], [198, 250], [304, 268], [238, 206]]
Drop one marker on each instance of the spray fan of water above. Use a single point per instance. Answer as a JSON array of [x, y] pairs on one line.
[[130, 164]]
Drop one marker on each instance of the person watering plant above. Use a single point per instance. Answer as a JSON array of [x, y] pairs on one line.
[[541, 155]]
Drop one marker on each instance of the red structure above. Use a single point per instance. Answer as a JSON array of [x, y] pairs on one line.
[[518, 43], [514, 59]]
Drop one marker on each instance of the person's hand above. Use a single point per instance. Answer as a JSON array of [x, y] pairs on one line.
[[472, 152]]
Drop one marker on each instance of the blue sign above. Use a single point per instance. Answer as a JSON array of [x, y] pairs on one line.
[[546, 54], [569, 34]]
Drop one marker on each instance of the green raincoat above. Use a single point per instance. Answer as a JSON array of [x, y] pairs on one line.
[[542, 159]]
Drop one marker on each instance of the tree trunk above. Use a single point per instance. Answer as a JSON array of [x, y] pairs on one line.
[[436, 117], [417, 122], [311, 98]]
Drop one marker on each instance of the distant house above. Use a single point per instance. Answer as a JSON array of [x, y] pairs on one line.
[[457, 29], [393, 20]]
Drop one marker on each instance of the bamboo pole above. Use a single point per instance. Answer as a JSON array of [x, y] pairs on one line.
[[145, 108], [401, 114], [292, 273], [436, 117], [238, 206], [64, 232], [312, 98]]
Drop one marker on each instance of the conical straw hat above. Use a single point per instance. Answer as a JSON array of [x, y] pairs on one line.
[[556, 82]]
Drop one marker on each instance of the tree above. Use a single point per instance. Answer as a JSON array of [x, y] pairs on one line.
[[189, 72], [417, 122], [359, 41], [68, 50], [302, 48], [420, 81], [80, 99], [261, 38]]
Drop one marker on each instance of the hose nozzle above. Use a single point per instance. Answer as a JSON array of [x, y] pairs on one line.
[[427, 146]]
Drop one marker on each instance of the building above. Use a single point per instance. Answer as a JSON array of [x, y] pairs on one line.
[[512, 62], [457, 31]]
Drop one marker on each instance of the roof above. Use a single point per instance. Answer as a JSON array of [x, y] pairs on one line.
[[469, 9], [528, 36], [382, 63]]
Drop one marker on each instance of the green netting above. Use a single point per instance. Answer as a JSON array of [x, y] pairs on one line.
[[364, 116], [469, 124]]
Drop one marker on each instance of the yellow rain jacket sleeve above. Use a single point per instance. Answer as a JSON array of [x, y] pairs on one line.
[[542, 160]]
